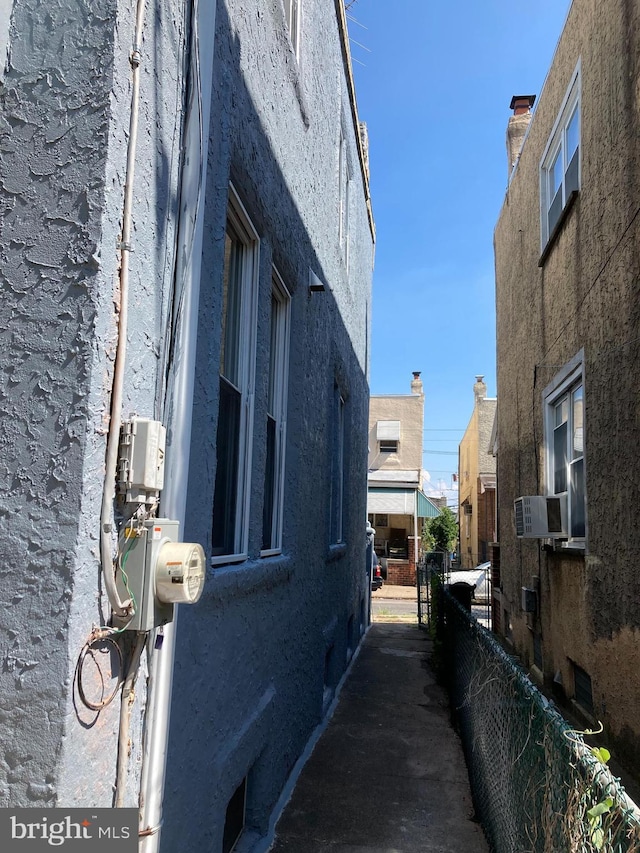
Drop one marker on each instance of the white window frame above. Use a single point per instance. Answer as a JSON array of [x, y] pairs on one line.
[[569, 378], [279, 380], [337, 486], [558, 145], [344, 194], [240, 225], [292, 16]]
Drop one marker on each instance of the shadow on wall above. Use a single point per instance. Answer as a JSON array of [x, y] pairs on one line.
[[269, 639]]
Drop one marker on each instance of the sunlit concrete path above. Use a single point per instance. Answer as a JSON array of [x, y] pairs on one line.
[[388, 773]]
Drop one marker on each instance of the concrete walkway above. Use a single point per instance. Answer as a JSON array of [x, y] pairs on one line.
[[388, 774]]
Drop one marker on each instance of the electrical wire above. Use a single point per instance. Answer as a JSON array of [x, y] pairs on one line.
[[126, 705], [120, 607], [98, 635]]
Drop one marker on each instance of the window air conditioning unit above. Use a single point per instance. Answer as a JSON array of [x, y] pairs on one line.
[[541, 517]]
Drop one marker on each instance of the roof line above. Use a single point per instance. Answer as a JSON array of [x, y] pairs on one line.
[[346, 57]]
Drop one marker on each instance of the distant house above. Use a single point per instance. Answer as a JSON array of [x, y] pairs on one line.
[[568, 349], [477, 483], [396, 504], [235, 300]]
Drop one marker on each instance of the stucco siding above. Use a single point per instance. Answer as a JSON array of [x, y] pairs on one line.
[[261, 655], [582, 294]]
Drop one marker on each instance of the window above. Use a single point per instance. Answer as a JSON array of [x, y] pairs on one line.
[[337, 485], [237, 368], [560, 166], [276, 417], [583, 692], [235, 817], [344, 180], [292, 17], [388, 436], [564, 443]]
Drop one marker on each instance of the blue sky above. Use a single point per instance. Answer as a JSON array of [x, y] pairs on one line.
[[434, 89]]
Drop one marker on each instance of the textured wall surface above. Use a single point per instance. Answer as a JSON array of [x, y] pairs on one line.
[[409, 410], [258, 659], [475, 460], [584, 294], [64, 113]]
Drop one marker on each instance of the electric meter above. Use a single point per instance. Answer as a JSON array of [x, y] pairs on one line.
[[180, 573], [156, 571]]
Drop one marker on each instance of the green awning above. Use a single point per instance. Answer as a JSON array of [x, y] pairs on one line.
[[426, 508]]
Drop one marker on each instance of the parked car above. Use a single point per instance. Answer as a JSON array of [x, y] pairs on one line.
[[479, 579], [383, 567], [376, 573]]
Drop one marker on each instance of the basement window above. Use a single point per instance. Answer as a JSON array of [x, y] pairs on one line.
[[235, 817], [582, 692]]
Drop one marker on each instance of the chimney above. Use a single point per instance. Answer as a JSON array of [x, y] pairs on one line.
[[416, 384], [517, 127], [479, 389]]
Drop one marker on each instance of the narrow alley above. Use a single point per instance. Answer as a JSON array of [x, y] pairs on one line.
[[388, 773]]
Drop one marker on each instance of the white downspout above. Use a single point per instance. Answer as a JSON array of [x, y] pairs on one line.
[[180, 399]]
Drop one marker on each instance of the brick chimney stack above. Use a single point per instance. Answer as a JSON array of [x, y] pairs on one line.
[[416, 384], [517, 127]]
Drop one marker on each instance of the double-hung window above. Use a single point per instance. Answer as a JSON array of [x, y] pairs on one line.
[[560, 164], [276, 417], [337, 482], [388, 436], [292, 17], [236, 383], [564, 444]]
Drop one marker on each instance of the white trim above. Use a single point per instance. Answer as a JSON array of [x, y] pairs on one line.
[[337, 489], [238, 221], [293, 13], [224, 560], [281, 385], [570, 375], [571, 101], [344, 196]]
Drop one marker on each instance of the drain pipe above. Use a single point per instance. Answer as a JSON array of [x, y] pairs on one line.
[[179, 400]]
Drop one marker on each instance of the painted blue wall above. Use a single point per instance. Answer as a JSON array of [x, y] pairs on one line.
[[258, 659]]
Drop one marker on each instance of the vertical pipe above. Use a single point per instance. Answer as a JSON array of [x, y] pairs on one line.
[[174, 496]]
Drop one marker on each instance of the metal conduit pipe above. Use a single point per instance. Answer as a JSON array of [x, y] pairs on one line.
[[126, 704], [174, 496], [120, 607]]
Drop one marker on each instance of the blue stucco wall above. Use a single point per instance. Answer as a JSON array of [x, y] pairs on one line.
[[64, 115], [258, 659]]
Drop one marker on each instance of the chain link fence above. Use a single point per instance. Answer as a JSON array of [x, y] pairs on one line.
[[537, 787]]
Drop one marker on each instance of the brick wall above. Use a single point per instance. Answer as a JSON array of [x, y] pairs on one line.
[[401, 573]]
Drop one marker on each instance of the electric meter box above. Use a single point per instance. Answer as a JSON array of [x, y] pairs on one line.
[[156, 571], [141, 460]]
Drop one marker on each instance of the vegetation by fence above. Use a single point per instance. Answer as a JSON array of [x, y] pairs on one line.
[[537, 787]]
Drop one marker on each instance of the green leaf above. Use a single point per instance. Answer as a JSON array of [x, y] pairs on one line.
[[601, 753], [600, 808]]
